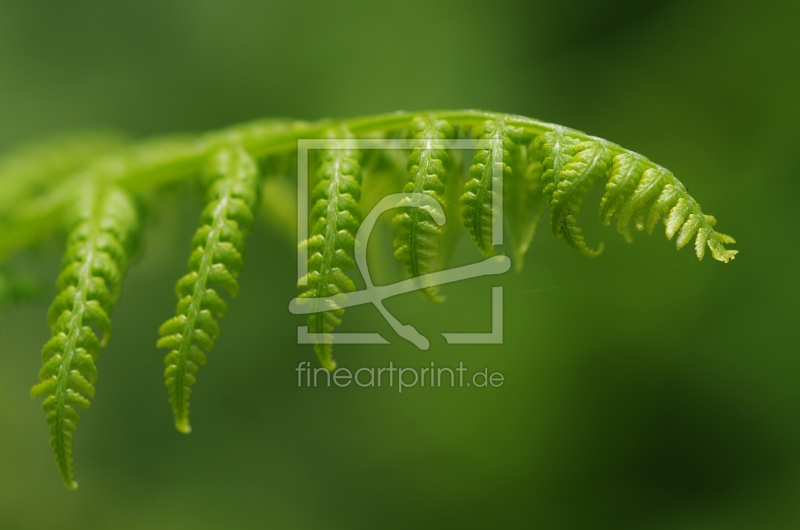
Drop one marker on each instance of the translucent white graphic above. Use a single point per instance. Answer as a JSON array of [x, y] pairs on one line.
[[376, 294]]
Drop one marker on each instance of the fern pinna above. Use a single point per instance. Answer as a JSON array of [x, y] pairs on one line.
[[417, 238], [215, 261], [490, 168], [94, 182], [98, 248], [335, 216]]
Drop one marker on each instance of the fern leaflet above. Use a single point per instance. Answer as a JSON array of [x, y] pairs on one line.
[[334, 220], [215, 261], [489, 166], [418, 235], [572, 164], [625, 171], [589, 161], [98, 248], [632, 188]]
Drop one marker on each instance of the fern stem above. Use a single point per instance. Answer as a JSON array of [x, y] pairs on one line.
[[260, 143]]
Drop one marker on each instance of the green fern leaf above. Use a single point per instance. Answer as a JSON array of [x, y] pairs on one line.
[[590, 161], [661, 207], [555, 150], [571, 168], [417, 241], [686, 219], [215, 262], [626, 170], [334, 220], [649, 187], [631, 188], [491, 162], [98, 248]]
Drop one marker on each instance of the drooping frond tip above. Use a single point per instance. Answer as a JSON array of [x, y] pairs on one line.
[[94, 263], [215, 261], [637, 192]]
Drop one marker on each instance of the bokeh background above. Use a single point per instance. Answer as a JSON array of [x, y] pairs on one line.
[[643, 390]]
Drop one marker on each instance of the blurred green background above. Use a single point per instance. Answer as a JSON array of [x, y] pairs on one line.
[[643, 390]]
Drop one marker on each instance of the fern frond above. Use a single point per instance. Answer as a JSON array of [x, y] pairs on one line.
[[491, 163], [94, 263], [215, 261], [334, 220], [153, 164], [540, 163], [417, 241]]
